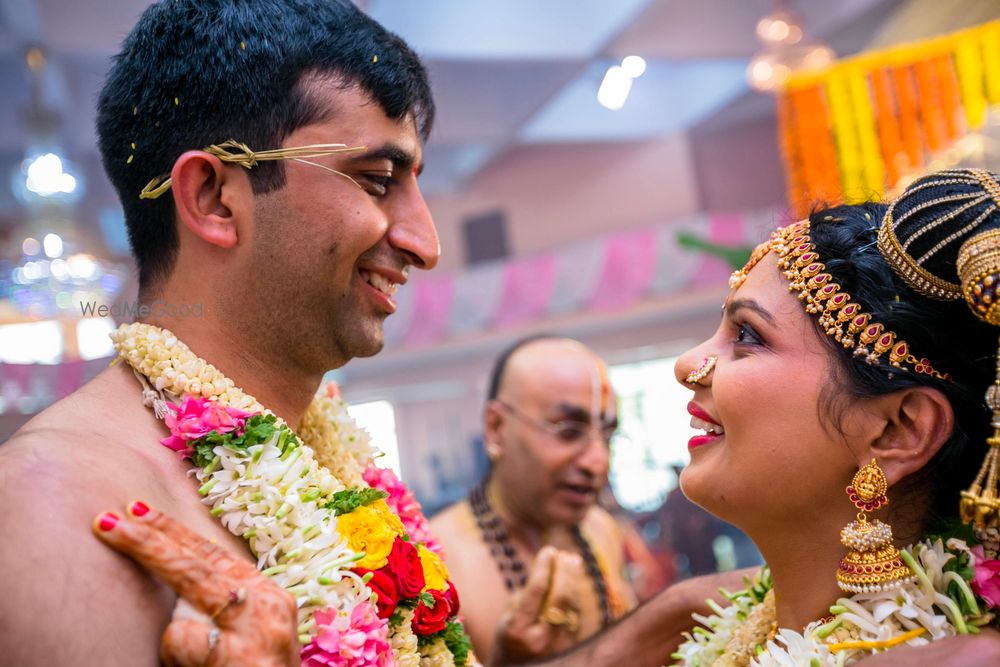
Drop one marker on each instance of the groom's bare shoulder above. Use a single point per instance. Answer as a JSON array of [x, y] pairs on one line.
[[63, 590]]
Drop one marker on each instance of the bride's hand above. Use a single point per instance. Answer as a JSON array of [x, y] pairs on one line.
[[981, 650], [240, 617]]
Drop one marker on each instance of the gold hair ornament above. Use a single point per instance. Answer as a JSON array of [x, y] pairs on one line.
[[897, 253], [241, 154], [842, 320], [979, 270]]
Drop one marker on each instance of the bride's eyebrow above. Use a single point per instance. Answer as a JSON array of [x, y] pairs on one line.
[[749, 304]]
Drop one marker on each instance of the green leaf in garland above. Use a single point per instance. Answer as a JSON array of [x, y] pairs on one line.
[[457, 642], [348, 500], [953, 527], [203, 453], [427, 599], [259, 429]]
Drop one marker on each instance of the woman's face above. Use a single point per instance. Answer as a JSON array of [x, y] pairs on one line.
[[776, 457]]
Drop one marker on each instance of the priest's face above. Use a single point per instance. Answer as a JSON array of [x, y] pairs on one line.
[[550, 429]]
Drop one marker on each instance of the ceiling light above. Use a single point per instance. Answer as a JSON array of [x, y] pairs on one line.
[[785, 51], [45, 176], [614, 88], [633, 66]]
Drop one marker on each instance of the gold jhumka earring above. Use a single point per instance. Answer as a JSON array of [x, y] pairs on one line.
[[700, 373], [872, 563]]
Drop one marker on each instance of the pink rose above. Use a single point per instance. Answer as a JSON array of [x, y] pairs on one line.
[[404, 505], [986, 580], [196, 418], [358, 640]]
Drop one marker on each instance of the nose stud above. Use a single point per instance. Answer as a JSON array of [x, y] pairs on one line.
[[700, 373]]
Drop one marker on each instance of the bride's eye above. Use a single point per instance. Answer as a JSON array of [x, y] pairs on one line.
[[745, 335]]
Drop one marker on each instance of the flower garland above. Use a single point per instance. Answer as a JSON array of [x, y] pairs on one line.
[[956, 591], [347, 539]]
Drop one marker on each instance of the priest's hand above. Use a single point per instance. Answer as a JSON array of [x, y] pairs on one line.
[[229, 613], [543, 617]]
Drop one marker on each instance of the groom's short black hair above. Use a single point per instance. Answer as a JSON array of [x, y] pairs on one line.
[[198, 72]]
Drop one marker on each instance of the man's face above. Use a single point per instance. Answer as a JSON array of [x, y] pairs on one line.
[[328, 255], [555, 411]]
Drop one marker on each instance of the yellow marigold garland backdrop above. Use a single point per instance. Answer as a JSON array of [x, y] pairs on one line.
[[856, 130]]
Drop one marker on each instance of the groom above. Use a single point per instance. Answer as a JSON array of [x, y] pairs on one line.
[[294, 264]]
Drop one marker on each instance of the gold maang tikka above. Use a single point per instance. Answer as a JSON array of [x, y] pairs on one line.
[[872, 562]]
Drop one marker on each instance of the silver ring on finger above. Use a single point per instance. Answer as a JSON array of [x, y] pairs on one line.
[[213, 641]]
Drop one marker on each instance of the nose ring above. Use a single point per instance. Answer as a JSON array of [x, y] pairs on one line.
[[700, 373]]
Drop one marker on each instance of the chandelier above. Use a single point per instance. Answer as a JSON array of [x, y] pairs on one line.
[[785, 50]]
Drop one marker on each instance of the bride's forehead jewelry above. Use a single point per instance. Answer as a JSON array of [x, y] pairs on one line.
[[841, 319], [241, 154]]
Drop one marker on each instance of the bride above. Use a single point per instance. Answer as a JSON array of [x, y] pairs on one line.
[[847, 374], [841, 399]]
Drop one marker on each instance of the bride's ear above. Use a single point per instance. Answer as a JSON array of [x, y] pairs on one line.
[[916, 423]]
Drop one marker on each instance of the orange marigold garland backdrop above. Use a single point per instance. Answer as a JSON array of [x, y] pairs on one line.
[[858, 128]]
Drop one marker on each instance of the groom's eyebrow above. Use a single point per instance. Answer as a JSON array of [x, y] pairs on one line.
[[402, 160]]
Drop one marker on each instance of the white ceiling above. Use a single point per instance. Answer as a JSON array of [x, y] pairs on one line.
[[511, 77]]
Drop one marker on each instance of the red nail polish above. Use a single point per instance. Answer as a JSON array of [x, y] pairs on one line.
[[139, 508], [108, 521]]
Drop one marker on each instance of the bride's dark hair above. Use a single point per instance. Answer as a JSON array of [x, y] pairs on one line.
[[938, 213]]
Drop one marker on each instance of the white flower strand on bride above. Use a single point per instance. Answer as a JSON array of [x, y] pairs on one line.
[[938, 604]]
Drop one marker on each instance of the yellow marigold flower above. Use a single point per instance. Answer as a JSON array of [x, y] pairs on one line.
[[372, 529], [435, 573]]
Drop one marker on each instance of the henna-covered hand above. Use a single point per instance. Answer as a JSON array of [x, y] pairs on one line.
[[244, 618]]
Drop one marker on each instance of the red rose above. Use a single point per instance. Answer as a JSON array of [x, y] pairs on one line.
[[428, 620], [452, 596], [385, 588], [405, 568]]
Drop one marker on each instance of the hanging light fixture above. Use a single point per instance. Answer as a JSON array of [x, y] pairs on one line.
[[785, 50]]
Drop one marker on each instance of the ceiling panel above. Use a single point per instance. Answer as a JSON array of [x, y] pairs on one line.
[[518, 29], [669, 97]]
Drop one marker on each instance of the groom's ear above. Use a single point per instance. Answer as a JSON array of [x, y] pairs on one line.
[[211, 199]]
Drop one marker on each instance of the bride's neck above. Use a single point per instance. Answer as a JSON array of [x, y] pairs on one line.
[[803, 566]]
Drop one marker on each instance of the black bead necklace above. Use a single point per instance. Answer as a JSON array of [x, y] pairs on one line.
[[515, 574]]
